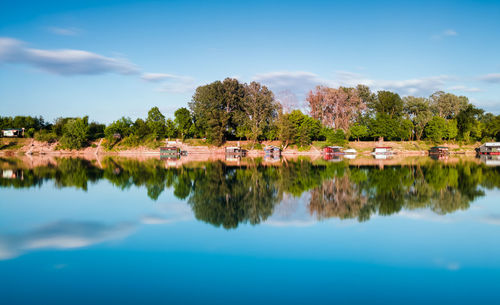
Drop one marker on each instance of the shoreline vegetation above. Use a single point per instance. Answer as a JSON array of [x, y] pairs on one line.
[[230, 113], [19, 146]]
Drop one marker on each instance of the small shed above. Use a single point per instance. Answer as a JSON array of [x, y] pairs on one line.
[[333, 150], [169, 152], [382, 150], [234, 150], [489, 148], [272, 150], [439, 150], [13, 132]]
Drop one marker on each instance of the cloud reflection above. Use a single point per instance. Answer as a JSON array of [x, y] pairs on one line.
[[62, 235]]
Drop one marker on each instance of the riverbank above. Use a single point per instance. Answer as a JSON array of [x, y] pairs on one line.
[[33, 147]]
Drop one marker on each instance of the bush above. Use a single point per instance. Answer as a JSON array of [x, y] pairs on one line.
[[45, 136]]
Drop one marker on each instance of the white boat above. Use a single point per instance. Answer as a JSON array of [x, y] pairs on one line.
[[350, 151]]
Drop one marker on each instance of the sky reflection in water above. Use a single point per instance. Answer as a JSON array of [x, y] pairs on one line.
[[309, 231]]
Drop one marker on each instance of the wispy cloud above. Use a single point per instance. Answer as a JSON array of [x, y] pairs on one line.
[[61, 235], [62, 62], [157, 77], [63, 31], [491, 78], [445, 33], [300, 82], [464, 88]]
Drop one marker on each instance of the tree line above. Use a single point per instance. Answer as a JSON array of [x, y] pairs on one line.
[[231, 110]]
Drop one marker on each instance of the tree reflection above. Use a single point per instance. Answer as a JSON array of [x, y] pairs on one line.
[[227, 196]]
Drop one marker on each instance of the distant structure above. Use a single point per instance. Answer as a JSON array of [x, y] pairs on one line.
[[13, 133], [439, 151], [489, 148]]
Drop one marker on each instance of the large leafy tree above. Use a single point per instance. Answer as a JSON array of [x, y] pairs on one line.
[[447, 105], [156, 123], [259, 110], [468, 122], [419, 112], [388, 103], [216, 107], [75, 133], [183, 121], [436, 129]]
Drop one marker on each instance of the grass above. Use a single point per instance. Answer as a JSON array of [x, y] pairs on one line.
[[12, 143]]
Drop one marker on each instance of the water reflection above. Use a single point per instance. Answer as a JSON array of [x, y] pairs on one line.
[[229, 193]]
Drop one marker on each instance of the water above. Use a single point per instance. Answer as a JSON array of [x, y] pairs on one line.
[[125, 231]]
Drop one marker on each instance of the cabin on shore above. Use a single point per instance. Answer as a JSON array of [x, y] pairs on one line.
[[439, 150], [235, 150], [13, 133], [272, 150], [489, 148], [382, 150], [333, 150], [169, 152]]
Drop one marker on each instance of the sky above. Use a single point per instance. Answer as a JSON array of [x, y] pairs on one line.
[[109, 59]]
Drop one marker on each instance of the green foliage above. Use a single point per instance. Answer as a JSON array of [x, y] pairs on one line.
[[436, 129], [358, 131], [156, 123], [405, 129], [335, 137], [469, 127], [75, 133], [183, 122], [387, 103], [120, 128]]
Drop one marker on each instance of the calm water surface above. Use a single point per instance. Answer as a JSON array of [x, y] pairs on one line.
[[124, 231]]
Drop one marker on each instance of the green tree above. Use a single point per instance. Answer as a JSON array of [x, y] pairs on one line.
[[75, 133], [183, 121], [447, 105], [358, 131], [156, 123], [259, 110], [468, 123], [419, 111], [388, 103], [436, 129], [451, 129], [215, 108]]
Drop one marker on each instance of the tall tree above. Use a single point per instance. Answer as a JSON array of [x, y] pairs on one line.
[[156, 123], [419, 112], [215, 107], [447, 105], [388, 103], [258, 111], [183, 121], [337, 108]]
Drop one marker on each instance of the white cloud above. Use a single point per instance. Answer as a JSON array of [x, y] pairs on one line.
[[62, 62], [464, 88], [445, 33], [491, 78], [156, 77], [296, 81], [300, 82], [63, 31]]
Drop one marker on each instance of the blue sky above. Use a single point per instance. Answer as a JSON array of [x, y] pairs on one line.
[[109, 59]]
